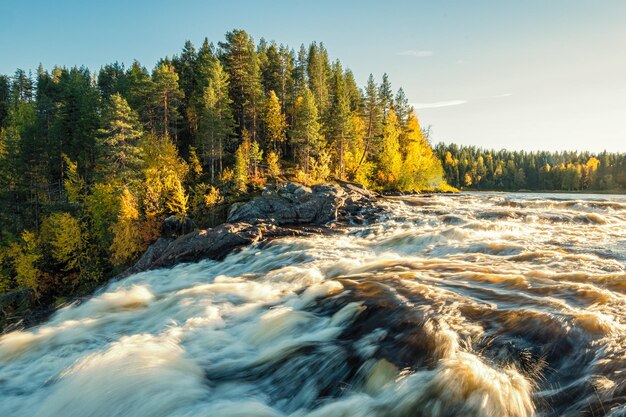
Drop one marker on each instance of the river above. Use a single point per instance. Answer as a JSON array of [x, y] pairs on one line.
[[480, 304]]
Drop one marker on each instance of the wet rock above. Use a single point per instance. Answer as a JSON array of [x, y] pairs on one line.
[[449, 219], [394, 193], [208, 244]]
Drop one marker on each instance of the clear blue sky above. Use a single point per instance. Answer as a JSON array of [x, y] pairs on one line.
[[531, 74]]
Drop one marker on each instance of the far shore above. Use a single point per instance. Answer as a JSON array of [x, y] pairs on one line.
[[585, 192]]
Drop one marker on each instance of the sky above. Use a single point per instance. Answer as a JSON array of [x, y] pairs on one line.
[[532, 75]]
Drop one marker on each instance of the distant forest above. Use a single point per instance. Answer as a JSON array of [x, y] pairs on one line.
[[470, 167], [92, 162]]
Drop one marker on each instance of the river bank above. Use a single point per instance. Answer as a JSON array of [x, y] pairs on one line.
[[283, 209]]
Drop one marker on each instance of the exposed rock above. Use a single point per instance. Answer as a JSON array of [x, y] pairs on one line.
[[306, 210], [211, 243], [294, 204], [150, 256]]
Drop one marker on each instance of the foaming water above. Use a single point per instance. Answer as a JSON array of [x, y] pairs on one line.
[[478, 305]]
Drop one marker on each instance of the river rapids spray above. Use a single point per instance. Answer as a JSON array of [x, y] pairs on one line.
[[476, 305]]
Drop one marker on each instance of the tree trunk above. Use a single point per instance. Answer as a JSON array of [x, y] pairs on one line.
[[367, 143], [165, 115]]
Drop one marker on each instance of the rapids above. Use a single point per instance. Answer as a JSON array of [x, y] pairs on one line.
[[490, 305]]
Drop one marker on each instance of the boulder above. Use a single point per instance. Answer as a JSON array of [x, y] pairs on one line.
[[295, 204], [213, 243], [149, 257], [286, 209]]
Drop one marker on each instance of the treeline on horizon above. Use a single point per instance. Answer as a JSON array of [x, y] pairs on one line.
[[471, 167], [92, 162]]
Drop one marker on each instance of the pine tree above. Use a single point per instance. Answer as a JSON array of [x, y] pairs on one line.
[[120, 152], [185, 66], [216, 119], [112, 79], [204, 66], [241, 62], [140, 95], [5, 101], [386, 94], [75, 121], [22, 87], [286, 82], [319, 72], [166, 97], [305, 135], [300, 70], [270, 66], [373, 115], [275, 122], [353, 92], [402, 107], [339, 123]]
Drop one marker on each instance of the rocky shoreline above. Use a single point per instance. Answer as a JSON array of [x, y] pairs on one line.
[[283, 209]]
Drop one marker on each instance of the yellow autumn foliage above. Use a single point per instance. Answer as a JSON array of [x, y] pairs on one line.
[[127, 240], [390, 166], [64, 235]]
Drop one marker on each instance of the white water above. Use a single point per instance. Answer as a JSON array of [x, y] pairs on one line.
[[473, 305]]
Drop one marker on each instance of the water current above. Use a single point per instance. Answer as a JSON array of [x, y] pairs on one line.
[[490, 305]]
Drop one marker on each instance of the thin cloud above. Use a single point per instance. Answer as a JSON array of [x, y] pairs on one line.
[[418, 54], [448, 103], [437, 104], [501, 95]]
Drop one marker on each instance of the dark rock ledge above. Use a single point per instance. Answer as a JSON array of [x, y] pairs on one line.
[[285, 209]]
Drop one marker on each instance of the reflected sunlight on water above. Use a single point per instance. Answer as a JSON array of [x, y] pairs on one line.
[[474, 305]]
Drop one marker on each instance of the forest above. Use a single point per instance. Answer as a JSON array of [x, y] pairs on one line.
[[480, 169], [91, 163]]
